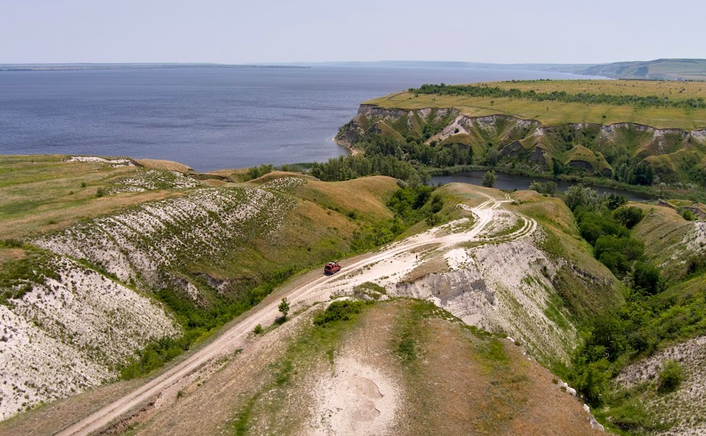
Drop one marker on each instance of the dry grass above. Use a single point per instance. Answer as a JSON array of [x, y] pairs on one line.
[[556, 113], [435, 265], [11, 254], [460, 383], [453, 382], [156, 164], [671, 89], [662, 230], [44, 193], [365, 196], [235, 175], [550, 211]]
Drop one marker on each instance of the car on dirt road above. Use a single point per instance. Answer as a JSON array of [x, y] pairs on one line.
[[332, 268]]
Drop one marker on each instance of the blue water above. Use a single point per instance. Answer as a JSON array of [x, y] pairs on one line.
[[207, 118]]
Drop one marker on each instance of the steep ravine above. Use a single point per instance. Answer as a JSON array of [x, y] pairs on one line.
[[593, 149]]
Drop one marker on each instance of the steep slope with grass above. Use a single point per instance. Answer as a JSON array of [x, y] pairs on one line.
[[636, 133], [527, 277], [513, 266], [660, 382], [159, 273], [641, 364]]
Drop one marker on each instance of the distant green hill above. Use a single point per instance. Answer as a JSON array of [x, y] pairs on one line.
[[659, 69]]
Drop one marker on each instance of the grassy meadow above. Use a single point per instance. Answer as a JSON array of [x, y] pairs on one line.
[[557, 113]]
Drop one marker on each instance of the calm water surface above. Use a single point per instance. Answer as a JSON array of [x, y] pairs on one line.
[[209, 118]]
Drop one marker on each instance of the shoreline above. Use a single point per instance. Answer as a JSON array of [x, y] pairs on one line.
[[351, 149]]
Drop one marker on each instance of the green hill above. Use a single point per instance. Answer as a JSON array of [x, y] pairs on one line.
[[630, 132], [659, 69]]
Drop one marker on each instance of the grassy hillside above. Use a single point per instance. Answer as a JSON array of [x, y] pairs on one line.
[[629, 133], [113, 239], [659, 69], [558, 112]]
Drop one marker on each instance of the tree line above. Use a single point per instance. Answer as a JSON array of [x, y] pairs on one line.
[[389, 157], [485, 91]]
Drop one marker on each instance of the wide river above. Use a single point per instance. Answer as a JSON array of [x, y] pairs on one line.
[[207, 118]]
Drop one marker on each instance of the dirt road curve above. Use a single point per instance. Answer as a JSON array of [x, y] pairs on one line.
[[319, 289]]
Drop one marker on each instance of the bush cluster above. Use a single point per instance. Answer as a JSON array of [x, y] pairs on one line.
[[485, 91], [339, 311]]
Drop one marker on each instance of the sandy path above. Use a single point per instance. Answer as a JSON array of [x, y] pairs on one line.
[[317, 290]]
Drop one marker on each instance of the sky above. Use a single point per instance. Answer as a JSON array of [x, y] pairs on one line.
[[281, 31]]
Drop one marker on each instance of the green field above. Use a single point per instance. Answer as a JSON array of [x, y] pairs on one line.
[[557, 112]]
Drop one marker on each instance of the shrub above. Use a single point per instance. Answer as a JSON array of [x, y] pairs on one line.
[[256, 172], [628, 216], [339, 311], [549, 188], [284, 307], [688, 215], [593, 225], [489, 179], [11, 243], [614, 201], [646, 277], [258, 329], [632, 249], [670, 377]]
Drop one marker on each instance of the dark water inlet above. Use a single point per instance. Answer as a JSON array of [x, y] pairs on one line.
[[513, 181]]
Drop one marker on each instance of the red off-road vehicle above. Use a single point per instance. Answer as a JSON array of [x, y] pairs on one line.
[[332, 268]]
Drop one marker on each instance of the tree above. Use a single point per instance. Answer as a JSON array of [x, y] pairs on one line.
[[575, 197], [646, 277], [688, 215], [549, 188], [628, 216], [489, 179], [641, 175], [284, 307]]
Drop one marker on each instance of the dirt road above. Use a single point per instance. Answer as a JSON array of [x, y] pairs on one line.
[[317, 290]]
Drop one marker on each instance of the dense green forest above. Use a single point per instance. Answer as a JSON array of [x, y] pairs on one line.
[[388, 157]]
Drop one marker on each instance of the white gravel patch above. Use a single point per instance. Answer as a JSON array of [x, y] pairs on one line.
[[113, 162], [356, 400]]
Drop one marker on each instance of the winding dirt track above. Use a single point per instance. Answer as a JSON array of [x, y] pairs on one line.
[[236, 336]]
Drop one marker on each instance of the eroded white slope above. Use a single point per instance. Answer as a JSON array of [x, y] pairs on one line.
[[76, 325], [69, 333]]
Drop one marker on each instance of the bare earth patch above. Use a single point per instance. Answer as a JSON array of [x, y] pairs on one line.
[[356, 400]]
